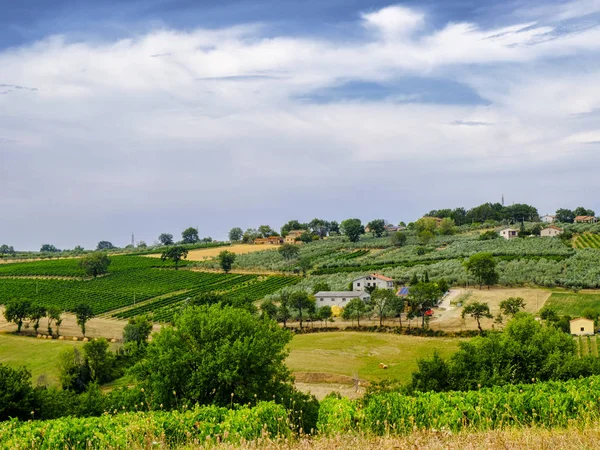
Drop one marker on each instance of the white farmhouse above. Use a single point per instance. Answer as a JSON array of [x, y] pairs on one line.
[[374, 279], [548, 218], [551, 231], [339, 298], [582, 326], [509, 233]]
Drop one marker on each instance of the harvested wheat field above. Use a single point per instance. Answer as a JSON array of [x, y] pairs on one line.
[[202, 254], [448, 316]]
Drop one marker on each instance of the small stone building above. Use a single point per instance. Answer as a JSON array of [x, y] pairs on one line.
[[582, 326]]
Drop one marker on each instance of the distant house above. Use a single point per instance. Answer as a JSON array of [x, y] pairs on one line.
[[293, 235], [582, 326], [374, 279], [393, 228], [551, 231], [273, 240], [586, 219], [548, 218], [339, 298], [509, 233]]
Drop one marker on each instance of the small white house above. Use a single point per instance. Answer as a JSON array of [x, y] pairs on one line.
[[509, 233], [551, 231], [339, 298], [379, 281], [548, 218], [582, 326]]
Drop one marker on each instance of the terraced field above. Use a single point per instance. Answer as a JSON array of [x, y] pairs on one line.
[[587, 240]]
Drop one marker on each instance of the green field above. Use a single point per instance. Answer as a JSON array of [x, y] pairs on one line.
[[38, 355], [350, 353], [574, 305], [587, 240]]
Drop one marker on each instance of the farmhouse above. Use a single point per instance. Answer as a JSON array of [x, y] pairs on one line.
[[273, 240], [379, 281], [339, 298], [293, 235], [548, 218], [393, 228], [582, 326], [586, 219], [509, 233], [551, 231]]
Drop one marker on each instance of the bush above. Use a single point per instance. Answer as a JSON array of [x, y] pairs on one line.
[[16, 393], [337, 415]]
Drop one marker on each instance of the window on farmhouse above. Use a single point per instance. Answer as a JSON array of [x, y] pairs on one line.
[[582, 329]]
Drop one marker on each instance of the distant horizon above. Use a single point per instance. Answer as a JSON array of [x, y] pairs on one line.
[[148, 116]]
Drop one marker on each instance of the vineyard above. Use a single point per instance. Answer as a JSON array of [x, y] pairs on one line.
[[131, 279], [587, 240]]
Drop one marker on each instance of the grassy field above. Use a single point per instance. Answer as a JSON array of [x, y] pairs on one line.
[[356, 353], [38, 355], [202, 254], [574, 304]]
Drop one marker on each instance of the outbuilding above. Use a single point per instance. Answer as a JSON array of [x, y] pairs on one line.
[[582, 326], [551, 231], [339, 298]]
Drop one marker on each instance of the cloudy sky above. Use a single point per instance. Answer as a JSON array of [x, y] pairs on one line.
[[149, 116]]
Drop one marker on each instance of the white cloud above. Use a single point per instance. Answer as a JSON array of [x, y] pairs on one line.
[[394, 21]]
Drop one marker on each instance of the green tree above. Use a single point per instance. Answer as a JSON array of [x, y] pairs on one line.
[[100, 360], [581, 211], [283, 312], [564, 215], [73, 372], [215, 355], [37, 313], [447, 226], [166, 239], [304, 265], [16, 311], [95, 264], [536, 230], [478, 311], [511, 306], [320, 286], [266, 231], [289, 251], [377, 227], [306, 237], [381, 300], [190, 236], [355, 309], [324, 313], [396, 307], [6, 250], [54, 314], [398, 239], [83, 312], [175, 254], [483, 267], [352, 228], [334, 227], [269, 309], [431, 375], [293, 225], [226, 260], [422, 297], [16, 394], [49, 248], [300, 302], [425, 224], [136, 332], [425, 237], [488, 235], [104, 245], [236, 234]]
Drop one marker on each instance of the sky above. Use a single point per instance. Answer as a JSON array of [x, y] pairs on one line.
[[130, 116]]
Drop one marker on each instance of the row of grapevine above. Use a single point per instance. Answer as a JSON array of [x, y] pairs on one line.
[[587, 240]]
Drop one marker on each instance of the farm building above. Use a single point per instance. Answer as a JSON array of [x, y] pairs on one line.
[[509, 233], [586, 219], [551, 231], [379, 281], [273, 240], [548, 218], [582, 326], [393, 228], [293, 235], [339, 298]]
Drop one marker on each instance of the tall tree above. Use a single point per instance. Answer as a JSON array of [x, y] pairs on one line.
[[16, 311], [325, 313], [283, 312], [377, 227], [564, 215], [352, 228], [425, 224], [54, 314], [236, 234], [266, 231], [300, 302], [511, 306], [104, 245], [83, 313], [293, 225], [49, 248], [95, 264], [166, 239], [398, 239], [334, 227], [175, 254], [6, 250], [381, 300], [289, 251], [250, 235], [226, 260], [17, 397], [37, 313], [396, 307], [268, 309], [422, 297], [447, 226], [215, 355], [355, 309], [581, 211], [477, 310], [483, 267], [319, 227], [190, 236]]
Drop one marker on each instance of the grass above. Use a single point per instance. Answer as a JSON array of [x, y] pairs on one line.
[[202, 254], [38, 355], [574, 305], [350, 353]]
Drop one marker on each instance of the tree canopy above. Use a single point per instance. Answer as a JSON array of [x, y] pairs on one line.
[[105, 245], [95, 264], [190, 236], [377, 227], [83, 312], [352, 228], [289, 251], [483, 267], [226, 260], [236, 234], [166, 239], [175, 254]]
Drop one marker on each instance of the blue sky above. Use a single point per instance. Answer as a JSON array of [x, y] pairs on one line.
[[151, 116]]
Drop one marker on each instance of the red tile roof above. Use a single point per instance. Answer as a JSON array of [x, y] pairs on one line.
[[382, 277]]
